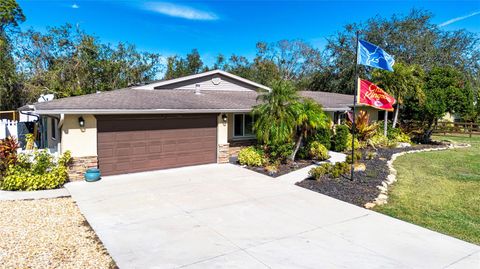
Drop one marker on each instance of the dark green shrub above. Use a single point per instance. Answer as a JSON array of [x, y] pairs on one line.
[[340, 139], [324, 136], [320, 171], [340, 169], [280, 153], [251, 156], [317, 151], [41, 173], [357, 155]]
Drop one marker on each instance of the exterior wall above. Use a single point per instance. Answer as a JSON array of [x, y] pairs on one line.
[[222, 140], [213, 82], [82, 142]]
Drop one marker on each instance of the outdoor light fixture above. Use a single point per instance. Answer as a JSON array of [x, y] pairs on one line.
[[224, 118], [81, 122]]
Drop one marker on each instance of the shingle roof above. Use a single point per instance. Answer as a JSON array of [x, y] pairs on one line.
[[329, 100], [130, 99]]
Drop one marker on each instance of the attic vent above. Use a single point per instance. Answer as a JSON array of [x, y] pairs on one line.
[[216, 80], [197, 88]]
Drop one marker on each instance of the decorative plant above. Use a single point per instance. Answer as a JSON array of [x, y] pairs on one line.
[[363, 128], [37, 171], [309, 117], [8, 153], [251, 156], [340, 139], [318, 151], [275, 116]]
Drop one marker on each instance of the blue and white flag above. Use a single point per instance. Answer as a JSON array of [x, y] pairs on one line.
[[374, 56]]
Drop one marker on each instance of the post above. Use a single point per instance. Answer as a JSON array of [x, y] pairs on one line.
[[355, 89], [385, 124], [471, 129]]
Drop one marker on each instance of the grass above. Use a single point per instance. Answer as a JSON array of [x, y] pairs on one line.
[[439, 190]]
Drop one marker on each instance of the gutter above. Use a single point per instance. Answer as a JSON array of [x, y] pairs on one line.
[[137, 111]]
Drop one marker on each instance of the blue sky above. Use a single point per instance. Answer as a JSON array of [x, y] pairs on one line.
[[174, 27]]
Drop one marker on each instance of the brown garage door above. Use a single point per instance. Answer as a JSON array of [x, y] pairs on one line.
[[135, 143]]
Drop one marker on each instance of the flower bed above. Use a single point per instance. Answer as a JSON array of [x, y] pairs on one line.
[[364, 188], [282, 169]]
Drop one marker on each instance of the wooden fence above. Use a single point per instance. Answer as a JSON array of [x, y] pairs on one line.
[[469, 128]]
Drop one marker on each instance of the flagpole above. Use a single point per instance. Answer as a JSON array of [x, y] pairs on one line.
[[355, 85]]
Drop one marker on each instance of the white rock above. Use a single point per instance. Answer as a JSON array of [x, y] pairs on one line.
[[369, 205]]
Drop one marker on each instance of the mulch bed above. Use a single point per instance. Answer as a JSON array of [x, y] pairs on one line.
[[283, 168], [364, 187]]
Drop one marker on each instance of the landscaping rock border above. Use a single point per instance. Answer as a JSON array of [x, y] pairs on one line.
[[382, 198]]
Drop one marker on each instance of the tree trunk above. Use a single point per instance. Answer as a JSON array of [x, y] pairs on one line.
[[427, 134], [395, 117], [297, 147]]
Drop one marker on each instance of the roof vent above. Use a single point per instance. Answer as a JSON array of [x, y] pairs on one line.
[[197, 88]]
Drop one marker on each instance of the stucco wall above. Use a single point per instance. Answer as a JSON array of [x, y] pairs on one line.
[[222, 131], [81, 142]]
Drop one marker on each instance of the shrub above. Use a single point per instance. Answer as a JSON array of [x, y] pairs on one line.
[[340, 139], [370, 155], [363, 127], [280, 153], [402, 138], [357, 155], [378, 140], [8, 153], [320, 171], [340, 168], [324, 136], [37, 172], [251, 156], [356, 144], [317, 151]]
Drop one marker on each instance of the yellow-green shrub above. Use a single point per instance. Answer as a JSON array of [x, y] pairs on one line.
[[320, 171], [41, 173], [251, 156], [339, 169], [378, 140], [349, 142], [317, 151]]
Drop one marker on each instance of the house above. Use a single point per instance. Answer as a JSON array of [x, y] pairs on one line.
[[197, 119]]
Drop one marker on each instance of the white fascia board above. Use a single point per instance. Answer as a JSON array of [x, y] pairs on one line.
[[138, 111], [152, 86]]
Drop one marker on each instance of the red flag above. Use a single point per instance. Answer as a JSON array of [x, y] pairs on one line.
[[371, 95]]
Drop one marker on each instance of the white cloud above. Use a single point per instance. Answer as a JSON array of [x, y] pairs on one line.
[[458, 19], [179, 11], [75, 6]]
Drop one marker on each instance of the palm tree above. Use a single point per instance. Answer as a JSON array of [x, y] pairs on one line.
[[405, 80], [275, 116], [309, 118]]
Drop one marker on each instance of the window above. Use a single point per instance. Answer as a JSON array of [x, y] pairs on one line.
[[53, 125], [242, 125]]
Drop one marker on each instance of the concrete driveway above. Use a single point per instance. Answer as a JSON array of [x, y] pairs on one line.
[[224, 216]]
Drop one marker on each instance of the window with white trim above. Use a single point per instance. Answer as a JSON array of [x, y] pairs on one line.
[[242, 125]]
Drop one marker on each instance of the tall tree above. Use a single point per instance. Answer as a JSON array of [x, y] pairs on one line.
[[446, 90], [67, 61], [405, 80], [411, 38], [179, 67], [11, 94]]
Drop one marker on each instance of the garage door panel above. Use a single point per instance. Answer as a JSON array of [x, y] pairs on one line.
[[135, 143]]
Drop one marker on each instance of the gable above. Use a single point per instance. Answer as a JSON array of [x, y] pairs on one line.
[[211, 80], [216, 82]]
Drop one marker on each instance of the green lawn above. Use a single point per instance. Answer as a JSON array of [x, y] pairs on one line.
[[439, 190]]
